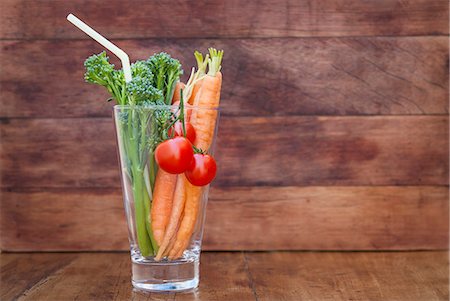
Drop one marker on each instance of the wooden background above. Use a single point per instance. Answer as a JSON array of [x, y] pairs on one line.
[[334, 132]]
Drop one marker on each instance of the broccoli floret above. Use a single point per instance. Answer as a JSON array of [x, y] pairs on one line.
[[99, 71], [141, 92], [153, 80], [141, 69], [140, 89], [166, 71]]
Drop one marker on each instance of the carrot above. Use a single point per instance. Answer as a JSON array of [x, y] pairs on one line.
[[188, 222], [176, 94], [172, 242], [162, 203], [195, 90], [204, 122], [173, 239], [177, 210]]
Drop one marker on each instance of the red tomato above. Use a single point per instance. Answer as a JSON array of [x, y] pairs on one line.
[[178, 126], [202, 170], [187, 111], [174, 155]]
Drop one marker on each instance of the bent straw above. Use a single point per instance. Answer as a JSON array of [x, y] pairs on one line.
[[107, 44]]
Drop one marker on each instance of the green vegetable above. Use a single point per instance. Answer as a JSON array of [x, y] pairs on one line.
[[141, 69], [141, 128], [100, 71], [141, 92], [166, 71]]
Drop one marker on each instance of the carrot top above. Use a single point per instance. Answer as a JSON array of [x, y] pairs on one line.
[[196, 76], [214, 61], [201, 63]]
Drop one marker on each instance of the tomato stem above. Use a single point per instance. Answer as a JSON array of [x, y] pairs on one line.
[[199, 150]]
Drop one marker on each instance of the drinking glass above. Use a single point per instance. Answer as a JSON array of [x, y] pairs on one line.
[[137, 131]]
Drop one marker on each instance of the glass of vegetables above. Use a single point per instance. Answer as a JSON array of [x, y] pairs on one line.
[[165, 190], [165, 136]]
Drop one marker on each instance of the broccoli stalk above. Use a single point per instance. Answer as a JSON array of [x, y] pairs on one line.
[[141, 94]]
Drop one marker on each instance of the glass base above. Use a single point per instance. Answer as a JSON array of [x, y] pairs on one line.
[[165, 276]]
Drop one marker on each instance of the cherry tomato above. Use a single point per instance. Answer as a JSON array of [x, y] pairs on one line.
[[187, 110], [174, 155], [178, 127], [202, 170]]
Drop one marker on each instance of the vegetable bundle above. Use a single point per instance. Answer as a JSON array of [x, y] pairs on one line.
[[164, 147]]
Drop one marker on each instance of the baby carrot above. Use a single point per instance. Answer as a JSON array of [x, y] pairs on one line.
[[176, 94], [177, 210], [188, 222], [172, 240], [162, 203], [204, 121]]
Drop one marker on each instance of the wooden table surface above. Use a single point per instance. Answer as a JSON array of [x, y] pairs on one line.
[[235, 276]]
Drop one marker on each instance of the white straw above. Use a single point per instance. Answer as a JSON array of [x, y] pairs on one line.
[[107, 44]]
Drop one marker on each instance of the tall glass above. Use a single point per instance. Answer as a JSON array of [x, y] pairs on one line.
[[138, 129]]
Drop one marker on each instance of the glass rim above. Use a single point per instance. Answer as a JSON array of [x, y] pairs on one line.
[[155, 106]]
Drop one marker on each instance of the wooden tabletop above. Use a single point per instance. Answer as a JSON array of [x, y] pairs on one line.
[[235, 276]]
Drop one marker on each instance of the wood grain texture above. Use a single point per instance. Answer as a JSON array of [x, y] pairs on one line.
[[64, 219], [235, 18], [289, 163], [286, 151], [328, 218], [400, 276], [19, 273], [238, 218], [106, 276], [419, 276], [262, 77]]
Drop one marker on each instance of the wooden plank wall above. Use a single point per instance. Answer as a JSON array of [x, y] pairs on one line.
[[334, 129]]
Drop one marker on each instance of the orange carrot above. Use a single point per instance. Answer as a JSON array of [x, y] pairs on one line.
[[188, 222], [162, 203], [177, 210], [176, 94], [173, 239], [195, 90], [204, 122]]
